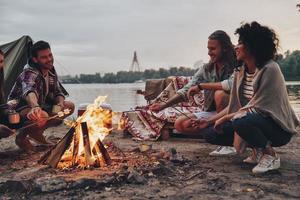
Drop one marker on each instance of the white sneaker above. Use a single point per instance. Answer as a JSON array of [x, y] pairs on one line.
[[254, 158], [223, 151], [267, 163]]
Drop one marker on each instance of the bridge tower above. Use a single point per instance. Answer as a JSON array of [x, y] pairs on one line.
[[135, 66]]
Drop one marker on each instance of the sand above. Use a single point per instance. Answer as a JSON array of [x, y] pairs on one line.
[[149, 175]]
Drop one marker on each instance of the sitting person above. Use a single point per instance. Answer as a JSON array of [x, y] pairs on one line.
[[37, 90], [4, 130], [214, 79], [259, 113]]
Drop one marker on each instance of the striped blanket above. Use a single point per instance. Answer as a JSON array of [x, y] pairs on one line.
[[146, 125]]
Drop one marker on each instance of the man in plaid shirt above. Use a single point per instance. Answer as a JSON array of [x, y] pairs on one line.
[[37, 90]]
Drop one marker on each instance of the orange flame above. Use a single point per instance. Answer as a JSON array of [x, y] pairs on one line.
[[99, 124]]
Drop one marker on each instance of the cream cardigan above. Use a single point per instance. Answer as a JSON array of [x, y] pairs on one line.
[[270, 96]]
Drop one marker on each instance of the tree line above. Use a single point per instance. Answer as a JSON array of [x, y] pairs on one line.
[[129, 76], [289, 63]]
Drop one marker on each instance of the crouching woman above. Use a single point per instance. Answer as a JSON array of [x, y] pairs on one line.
[[259, 112]]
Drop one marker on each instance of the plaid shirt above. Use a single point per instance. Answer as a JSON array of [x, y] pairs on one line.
[[32, 80], [208, 74]]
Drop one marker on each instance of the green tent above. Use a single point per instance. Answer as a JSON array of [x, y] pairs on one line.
[[16, 55]]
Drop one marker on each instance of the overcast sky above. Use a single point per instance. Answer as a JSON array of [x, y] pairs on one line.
[[90, 36]]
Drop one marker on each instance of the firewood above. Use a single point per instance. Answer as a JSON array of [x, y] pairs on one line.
[[75, 149], [86, 143], [53, 156], [97, 152], [63, 155], [104, 152], [100, 162]]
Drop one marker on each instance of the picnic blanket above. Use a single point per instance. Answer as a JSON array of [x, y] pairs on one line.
[[144, 124]]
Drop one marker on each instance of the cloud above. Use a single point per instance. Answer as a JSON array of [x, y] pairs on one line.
[[102, 35]]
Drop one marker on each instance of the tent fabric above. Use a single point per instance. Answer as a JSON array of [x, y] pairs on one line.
[[16, 55]]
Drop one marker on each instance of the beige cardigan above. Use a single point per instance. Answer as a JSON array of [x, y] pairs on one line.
[[270, 96]]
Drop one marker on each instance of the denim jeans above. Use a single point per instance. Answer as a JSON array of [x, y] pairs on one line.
[[254, 128]]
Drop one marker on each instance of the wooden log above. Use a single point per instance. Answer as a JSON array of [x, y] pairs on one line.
[[104, 152], [86, 143], [99, 161], [97, 152], [53, 156], [75, 149]]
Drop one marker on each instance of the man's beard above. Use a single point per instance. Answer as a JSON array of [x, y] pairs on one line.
[[47, 66], [212, 61]]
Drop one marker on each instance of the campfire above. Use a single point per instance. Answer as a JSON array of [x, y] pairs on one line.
[[82, 146]]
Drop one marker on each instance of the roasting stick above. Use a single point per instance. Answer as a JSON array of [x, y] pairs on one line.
[[5, 105], [163, 102], [59, 114], [132, 110]]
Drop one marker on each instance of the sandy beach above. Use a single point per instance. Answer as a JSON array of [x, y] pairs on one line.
[[149, 175]]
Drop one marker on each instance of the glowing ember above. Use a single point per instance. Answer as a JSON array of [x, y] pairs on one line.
[[86, 148]]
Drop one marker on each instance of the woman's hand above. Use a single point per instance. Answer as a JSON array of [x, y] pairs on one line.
[[219, 123], [192, 91]]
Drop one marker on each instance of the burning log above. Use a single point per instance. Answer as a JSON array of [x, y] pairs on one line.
[[100, 147], [75, 149], [100, 162], [87, 146], [82, 145], [100, 156], [53, 156]]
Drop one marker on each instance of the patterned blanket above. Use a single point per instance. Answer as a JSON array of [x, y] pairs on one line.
[[144, 124]]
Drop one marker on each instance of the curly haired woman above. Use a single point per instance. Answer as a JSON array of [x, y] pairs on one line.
[[259, 111]]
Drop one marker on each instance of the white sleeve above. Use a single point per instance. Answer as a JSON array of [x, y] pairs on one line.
[[227, 84]]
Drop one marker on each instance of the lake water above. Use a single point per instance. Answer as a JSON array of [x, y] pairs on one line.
[[123, 96], [120, 96]]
